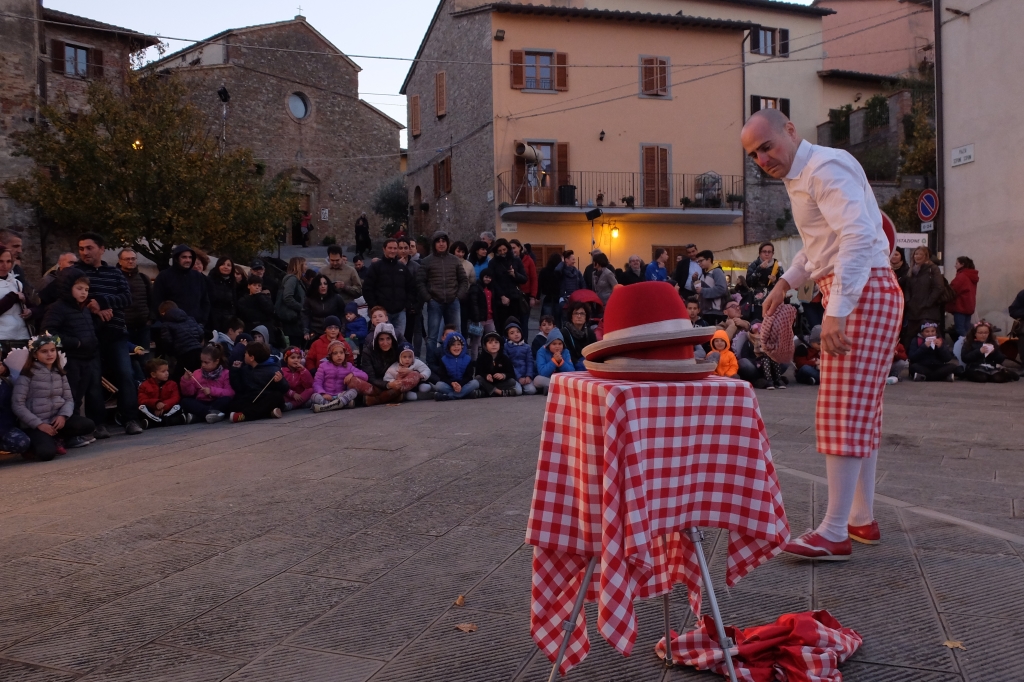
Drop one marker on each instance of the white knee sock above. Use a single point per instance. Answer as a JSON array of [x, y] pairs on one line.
[[863, 510], [851, 494]]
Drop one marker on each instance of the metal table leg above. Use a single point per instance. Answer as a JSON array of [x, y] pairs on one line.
[[695, 537], [570, 625], [668, 619]]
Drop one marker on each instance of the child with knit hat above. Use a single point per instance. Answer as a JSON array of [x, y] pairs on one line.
[[494, 369], [521, 355], [318, 349], [410, 372], [356, 328]]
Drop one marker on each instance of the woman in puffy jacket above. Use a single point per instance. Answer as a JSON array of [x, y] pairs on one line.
[[322, 301], [224, 292]]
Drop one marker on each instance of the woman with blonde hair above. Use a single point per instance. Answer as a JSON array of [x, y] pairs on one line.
[[291, 299]]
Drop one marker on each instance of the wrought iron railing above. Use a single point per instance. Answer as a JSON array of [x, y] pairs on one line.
[[588, 189]]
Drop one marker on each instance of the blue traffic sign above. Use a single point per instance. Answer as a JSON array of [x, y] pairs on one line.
[[928, 205]]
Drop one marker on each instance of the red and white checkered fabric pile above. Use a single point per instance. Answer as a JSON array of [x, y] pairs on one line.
[[798, 647], [623, 464]]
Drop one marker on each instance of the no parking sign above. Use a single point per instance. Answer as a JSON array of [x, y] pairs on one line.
[[928, 205]]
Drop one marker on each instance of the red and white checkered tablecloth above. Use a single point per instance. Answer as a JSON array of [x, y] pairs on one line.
[[623, 464]]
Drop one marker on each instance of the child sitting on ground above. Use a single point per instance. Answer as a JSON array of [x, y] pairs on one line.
[[43, 404], [551, 359], [456, 371], [338, 381], [259, 386], [12, 439], [808, 359], [300, 381], [184, 335], [355, 327], [237, 356], [494, 370], [771, 373], [159, 398], [227, 338], [899, 364], [547, 323], [983, 358], [410, 372], [930, 359], [318, 350], [728, 365], [206, 392], [521, 356], [261, 334]]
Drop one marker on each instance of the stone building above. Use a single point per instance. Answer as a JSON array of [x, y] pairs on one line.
[[45, 54], [293, 98]]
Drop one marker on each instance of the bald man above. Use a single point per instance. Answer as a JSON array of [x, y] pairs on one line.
[[845, 251]]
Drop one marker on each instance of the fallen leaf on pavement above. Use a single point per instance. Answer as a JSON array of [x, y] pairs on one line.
[[461, 601], [466, 627], [950, 644]]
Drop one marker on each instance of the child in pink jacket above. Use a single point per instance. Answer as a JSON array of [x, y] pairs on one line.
[[300, 381], [338, 382], [207, 391]]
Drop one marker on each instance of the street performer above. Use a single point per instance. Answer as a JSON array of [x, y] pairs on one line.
[[846, 251]]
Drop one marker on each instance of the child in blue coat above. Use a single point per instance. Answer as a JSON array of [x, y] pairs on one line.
[[356, 328], [521, 355], [551, 359]]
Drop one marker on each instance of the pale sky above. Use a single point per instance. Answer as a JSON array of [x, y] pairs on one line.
[[389, 28]]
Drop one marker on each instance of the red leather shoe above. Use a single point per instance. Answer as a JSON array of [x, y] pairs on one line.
[[869, 534], [813, 546]]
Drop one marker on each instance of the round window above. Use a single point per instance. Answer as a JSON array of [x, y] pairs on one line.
[[298, 105]]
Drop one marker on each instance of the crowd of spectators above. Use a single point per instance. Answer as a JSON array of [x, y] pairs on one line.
[[426, 319]]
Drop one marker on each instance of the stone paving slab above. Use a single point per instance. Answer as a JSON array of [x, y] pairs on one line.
[[332, 547]]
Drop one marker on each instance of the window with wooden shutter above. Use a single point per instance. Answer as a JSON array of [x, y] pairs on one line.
[[518, 171], [654, 76], [755, 104], [783, 42], [561, 71], [784, 106], [655, 176], [446, 171], [763, 41], [95, 63], [57, 56], [441, 94], [414, 115], [755, 40], [437, 181], [517, 63], [562, 164]]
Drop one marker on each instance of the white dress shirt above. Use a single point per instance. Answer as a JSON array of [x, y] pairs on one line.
[[838, 219]]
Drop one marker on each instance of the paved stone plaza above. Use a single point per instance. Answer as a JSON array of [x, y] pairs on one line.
[[332, 547]]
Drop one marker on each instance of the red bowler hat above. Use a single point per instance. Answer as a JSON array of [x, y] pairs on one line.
[[647, 337]]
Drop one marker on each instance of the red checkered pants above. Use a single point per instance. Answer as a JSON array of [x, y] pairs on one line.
[[848, 417]]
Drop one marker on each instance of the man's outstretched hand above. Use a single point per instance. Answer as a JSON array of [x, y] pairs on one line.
[[833, 336], [775, 298]]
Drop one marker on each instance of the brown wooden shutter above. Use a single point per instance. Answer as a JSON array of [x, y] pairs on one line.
[[448, 175], [783, 42], [441, 94], [784, 106], [95, 60], [517, 62], [650, 161], [562, 164], [755, 39], [414, 115], [649, 76], [663, 177], [57, 56], [662, 76], [437, 181], [518, 171], [561, 71], [755, 104]]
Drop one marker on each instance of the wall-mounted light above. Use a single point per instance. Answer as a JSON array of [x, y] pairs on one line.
[[499, 34], [601, 136], [137, 145], [615, 233], [223, 94]]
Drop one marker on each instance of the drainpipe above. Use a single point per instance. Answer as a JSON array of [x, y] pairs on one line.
[[743, 108], [940, 147]]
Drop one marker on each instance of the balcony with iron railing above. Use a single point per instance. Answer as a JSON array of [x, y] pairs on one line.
[[651, 197]]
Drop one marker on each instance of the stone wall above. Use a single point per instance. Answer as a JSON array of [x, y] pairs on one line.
[[339, 154], [465, 132]]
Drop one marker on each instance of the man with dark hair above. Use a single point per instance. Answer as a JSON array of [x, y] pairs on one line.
[[389, 283], [687, 272], [359, 264], [712, 288], [346, 279], [109, 295], [441, 282], [138, 315], [183, 285], [656, 270]]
